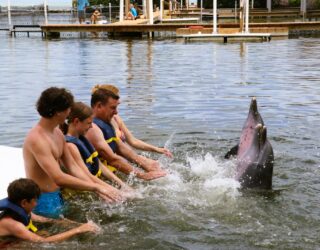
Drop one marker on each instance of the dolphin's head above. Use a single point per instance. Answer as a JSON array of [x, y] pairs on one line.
[[248, 130], [254, 114]]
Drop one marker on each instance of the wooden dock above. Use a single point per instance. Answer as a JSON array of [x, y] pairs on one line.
[[25, 28], [225, 37], [172, 27]]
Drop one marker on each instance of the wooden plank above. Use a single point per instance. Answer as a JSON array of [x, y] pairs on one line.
[[165, 27]]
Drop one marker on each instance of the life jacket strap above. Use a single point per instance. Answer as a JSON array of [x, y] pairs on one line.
[[90, 158], [112, 139], [32, 227], [99, 173], [112, 169]]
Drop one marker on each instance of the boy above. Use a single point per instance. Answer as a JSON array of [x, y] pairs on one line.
[[16, 217]]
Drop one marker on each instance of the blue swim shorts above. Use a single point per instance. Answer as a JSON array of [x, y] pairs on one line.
[[50, 205]]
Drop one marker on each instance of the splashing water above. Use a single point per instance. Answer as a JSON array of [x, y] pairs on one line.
[[203, 181]]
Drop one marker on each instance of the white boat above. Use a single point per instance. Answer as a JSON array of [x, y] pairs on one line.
[[12, 167]]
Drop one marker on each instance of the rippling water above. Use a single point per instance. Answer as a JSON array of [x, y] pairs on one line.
[[193, 98]]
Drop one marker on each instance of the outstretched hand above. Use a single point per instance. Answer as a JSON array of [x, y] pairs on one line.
[[110, 194], [89, 227], [166, 152], [152, 175]]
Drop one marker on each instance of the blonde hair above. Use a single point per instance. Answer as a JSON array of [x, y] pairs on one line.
[[108, 87]]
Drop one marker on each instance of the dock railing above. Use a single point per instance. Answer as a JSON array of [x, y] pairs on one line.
[[35, 15]]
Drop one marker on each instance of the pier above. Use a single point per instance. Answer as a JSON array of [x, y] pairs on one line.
[[188, 23], [275, 29]]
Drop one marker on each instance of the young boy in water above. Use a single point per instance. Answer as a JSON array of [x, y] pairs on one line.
[[16, 217]]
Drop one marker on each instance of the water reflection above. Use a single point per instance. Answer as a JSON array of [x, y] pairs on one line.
[[140, 76]]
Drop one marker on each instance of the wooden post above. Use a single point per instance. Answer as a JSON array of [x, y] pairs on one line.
[[147, 9], [150, 11], [144, 8], [201, 5], [303, 7], [247, 16], [241, 15], [161, 10], [9, 14], [45, 12], [235, 11], [126, 9], [110, 20], [121, 11], [269, 5], [214, 30]]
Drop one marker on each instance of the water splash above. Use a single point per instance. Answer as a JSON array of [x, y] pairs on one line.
[[202, 182]]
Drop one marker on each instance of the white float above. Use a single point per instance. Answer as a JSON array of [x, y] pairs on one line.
[[12, 167]]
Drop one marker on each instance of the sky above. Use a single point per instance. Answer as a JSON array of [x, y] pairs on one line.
[[36, 2]]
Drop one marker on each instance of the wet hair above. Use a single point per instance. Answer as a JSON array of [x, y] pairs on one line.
[[53, 100], [78, 110], [102, 95], [21, 189]]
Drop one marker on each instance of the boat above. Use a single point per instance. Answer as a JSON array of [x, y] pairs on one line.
[[12, 167]]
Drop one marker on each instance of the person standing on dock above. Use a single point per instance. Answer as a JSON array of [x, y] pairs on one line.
[[82, 5]]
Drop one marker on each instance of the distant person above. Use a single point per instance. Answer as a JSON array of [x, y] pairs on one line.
[[102, 135], [74, 4], [16, 216], [79, 122], [125, 134], [138, 9], [82, 5], [45, 149], [95, 17], [132, 14]]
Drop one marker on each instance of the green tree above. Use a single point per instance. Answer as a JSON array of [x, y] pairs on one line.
[[103, 2]]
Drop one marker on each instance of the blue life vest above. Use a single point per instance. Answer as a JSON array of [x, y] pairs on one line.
[[8, 208], [108, 133], [87, 151]]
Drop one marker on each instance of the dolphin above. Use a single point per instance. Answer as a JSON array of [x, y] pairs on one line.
[[254, 152]]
